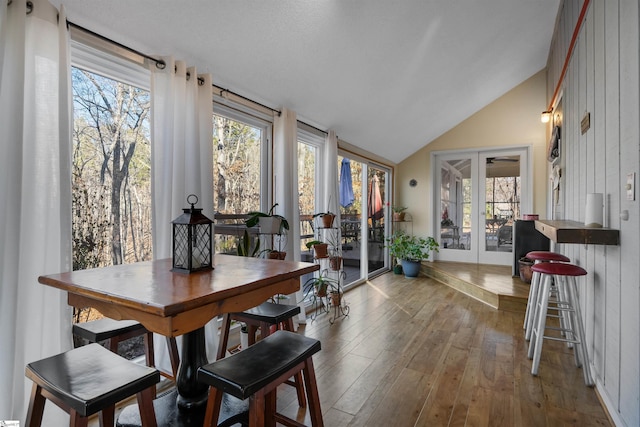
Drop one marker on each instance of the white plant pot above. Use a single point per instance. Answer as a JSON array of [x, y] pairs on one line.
[[269, 225], [244, 340]]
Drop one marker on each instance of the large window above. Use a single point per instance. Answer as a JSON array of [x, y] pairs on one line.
[[309, 184], [111, 163], [111, 166], [240, 172]]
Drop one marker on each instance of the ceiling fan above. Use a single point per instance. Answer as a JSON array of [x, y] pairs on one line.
[[492, 160]]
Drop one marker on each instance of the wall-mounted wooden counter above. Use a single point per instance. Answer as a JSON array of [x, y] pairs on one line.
[[564, 231]]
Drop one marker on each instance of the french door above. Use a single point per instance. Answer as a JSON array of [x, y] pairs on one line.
[[478, 195]]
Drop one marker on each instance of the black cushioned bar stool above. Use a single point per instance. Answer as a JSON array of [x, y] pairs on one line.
[[264, 317], [536, 257], [88, 380], [115, 331], [255, 373]]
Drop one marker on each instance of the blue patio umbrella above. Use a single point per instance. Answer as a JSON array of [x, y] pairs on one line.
[[346, 185]]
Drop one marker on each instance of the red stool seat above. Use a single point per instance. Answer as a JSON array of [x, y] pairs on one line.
[[546, 256], [558, 269]]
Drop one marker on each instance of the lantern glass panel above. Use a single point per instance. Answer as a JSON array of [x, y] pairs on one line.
[[181, 246]]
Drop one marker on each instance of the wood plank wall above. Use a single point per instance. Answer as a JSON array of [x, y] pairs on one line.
[[603, 80]]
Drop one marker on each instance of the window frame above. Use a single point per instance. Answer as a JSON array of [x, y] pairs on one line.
[[240, 113]]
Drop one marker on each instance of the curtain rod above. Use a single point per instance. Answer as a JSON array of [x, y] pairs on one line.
[[161, 65], [159, 62], [223, 91]]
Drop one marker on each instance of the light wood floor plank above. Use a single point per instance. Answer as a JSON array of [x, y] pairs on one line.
[[439, 357], [415, 352]]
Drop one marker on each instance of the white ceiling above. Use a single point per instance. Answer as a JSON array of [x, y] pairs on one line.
[[388, 76]]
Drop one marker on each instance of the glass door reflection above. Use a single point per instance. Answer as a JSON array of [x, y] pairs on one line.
[[456, 228]]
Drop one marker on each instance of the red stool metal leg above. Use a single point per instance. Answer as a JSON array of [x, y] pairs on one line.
[[568, 307], [537, 257]]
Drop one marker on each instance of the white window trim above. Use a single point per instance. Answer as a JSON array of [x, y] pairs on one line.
[[109, 65]]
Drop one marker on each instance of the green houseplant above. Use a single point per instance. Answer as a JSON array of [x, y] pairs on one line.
[[411, 250], [398, 212], [320, 248], [320, 285], [248, 248], [326, 217], [278, 226]]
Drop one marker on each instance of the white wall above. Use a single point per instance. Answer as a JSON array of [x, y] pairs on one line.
[[603, 80]]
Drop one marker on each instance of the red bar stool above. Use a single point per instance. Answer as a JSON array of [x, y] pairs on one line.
[[566, 302], [537, 257]]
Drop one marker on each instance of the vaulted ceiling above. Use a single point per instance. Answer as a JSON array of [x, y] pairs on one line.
[[388, 76]]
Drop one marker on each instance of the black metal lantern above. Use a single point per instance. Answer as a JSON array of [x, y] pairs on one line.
[[192, 240]]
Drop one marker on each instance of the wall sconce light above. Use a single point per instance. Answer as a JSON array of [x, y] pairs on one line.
[[546, 116]]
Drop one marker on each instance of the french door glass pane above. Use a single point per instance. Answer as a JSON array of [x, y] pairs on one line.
[[455, 204], [351, 216], [502, 201], [376, 218]]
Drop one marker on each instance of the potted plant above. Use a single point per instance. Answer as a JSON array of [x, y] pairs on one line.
[[335, 297], [270, 223], [320, 285], [411, 250], [246, 248], [321, 249], [326, 217], [398, 213]]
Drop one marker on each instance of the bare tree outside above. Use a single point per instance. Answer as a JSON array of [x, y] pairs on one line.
[[237, 149], [111, 162]]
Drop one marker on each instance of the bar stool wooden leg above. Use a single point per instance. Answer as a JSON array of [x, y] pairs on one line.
[[145, 404], [297, 382], [311, 386], [173, 355], [36, 407], [213, 408], [257, 409], [107, 416], [76, 420], [270, 408], [215, 397]]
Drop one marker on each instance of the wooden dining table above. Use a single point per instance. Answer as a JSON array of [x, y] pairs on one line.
[[180, 304]]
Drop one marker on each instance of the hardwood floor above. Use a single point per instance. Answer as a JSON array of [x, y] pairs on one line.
[[414, 352]]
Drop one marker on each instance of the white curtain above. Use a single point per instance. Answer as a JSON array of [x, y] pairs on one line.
[[285, 166], [35, 190], [181, 160], [330, 200]]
